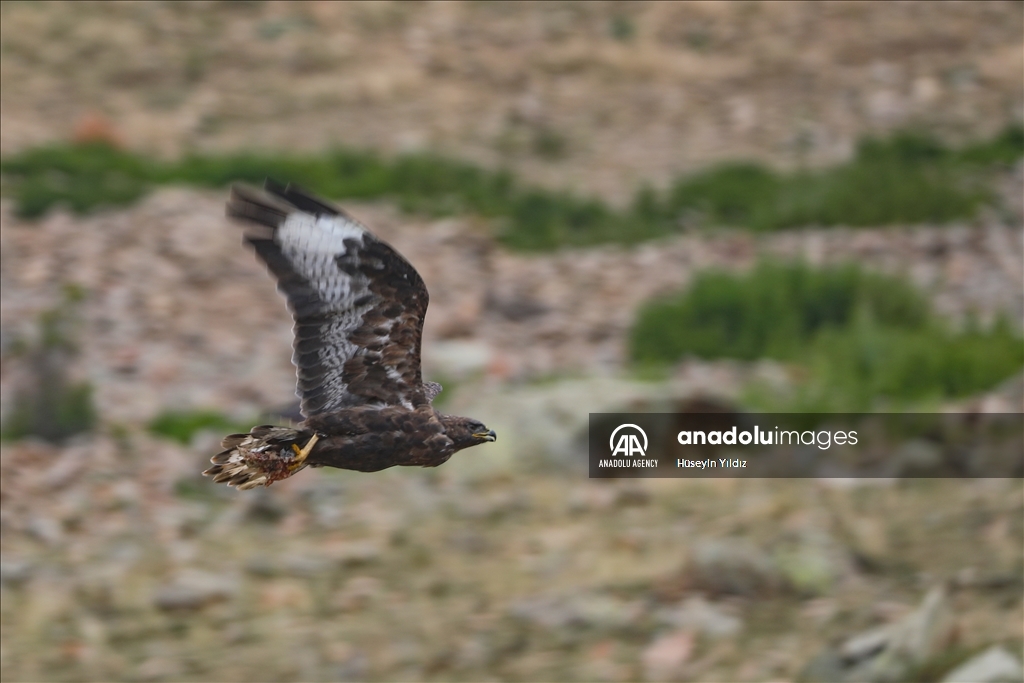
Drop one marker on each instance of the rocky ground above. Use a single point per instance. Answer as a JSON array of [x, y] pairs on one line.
[[120, 562], [593, 96]]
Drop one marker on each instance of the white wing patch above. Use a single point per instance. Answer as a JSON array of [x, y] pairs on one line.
[[312, 244], [319, 234], [358, 306]]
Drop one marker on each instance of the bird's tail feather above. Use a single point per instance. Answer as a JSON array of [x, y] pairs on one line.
[[259, 458]]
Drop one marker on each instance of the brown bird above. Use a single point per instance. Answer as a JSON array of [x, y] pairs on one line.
[[358, 307]]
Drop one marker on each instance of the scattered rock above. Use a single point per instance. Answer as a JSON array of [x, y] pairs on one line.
[[811, 567], [46, 529], [158, 668], [732, 566], [663, 658], [15, 572], [470, 542], [67, 467], [994, 665], [992, 579], [632, 494], [355, 668], [698, 615], [888, 653], [285, 594], [358, 593], [590, 610], [602, 664], [591, 497], [490, 507], [193, 590], [473, 653], [305, 566], [356, 553]]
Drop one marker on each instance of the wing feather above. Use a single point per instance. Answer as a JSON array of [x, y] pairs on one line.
[[358, 305]]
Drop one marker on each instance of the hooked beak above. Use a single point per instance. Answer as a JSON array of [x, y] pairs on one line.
[[486, 436]]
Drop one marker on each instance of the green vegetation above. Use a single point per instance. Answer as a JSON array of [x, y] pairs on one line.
[[859, 336], [905, 178], [51, 406], [181, 426], [622, 28]]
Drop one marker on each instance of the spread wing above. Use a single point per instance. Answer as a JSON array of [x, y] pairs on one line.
[[358, 305]]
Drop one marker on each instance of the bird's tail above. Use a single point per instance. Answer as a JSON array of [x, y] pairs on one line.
[[265, 455]]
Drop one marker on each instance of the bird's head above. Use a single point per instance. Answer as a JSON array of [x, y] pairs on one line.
[[466, 432]]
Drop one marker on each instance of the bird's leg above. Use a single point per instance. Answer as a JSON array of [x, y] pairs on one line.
[[303, 453]]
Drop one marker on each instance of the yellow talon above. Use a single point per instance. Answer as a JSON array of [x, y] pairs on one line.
[[301, 455]]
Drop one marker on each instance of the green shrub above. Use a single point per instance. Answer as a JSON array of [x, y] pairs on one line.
[[51, 406], [901, 179], [774, 311], [621, 28], [851, 368], [860, 336], [54, 411], [181, 426], [907, 178]]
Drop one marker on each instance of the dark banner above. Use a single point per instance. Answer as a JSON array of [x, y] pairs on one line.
[[707, 445]]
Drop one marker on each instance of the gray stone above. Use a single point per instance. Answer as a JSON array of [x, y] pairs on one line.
[[46, 529], [15, 572], [304, 566], [994, 665], [193, 590], [733, 566], [701, 616], [887, 654], [585, 610], [665, 656]]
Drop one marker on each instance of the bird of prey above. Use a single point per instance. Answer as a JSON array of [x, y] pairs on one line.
[[358, 308]]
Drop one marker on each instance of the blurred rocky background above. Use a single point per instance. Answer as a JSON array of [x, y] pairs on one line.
[[136, 331]]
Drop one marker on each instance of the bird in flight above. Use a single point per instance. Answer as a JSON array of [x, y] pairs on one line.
[[358, 308]]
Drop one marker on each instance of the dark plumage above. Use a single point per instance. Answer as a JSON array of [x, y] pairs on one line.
[[358, 307]]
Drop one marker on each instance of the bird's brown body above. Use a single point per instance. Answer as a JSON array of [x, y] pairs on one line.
[[374, 439]]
